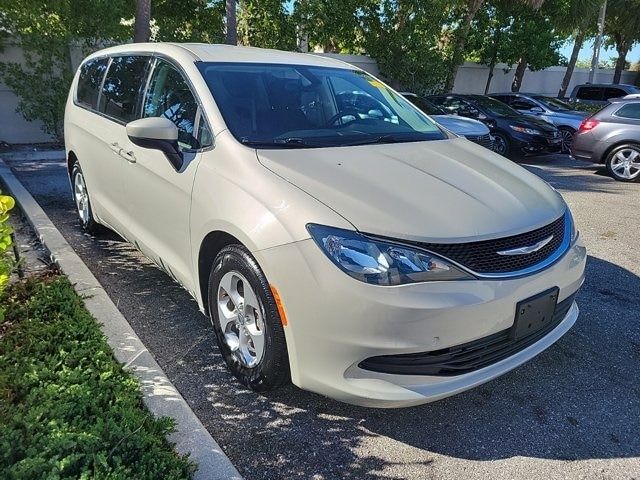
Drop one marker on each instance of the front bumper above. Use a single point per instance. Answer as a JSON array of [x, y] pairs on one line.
[[535, 144], [336, 322]]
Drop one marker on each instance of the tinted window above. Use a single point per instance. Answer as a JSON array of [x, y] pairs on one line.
[[267, 105], [457, 106], [589, 93], [522, 104], [425, 105], [169, 96], [553, 104], [613, 93], [122, 87], [630, 110], [91, 75], [495, 107]]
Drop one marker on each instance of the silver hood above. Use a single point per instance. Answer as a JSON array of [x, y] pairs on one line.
[[461, 125], [445, 190]]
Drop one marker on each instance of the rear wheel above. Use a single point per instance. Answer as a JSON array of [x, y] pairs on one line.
[[623, 163], [82, 201], [566, 134], [246, 321], [501, 144]]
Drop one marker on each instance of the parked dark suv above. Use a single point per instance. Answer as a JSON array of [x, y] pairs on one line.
[[600, 93], [513, 132], [612, 137]]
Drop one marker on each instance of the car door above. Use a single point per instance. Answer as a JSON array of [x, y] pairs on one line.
[[158, 195], [118, 104]]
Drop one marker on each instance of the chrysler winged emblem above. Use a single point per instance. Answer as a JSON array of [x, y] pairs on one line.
[[528, 249]]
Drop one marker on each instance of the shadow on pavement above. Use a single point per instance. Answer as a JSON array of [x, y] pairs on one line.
[[580, 399]]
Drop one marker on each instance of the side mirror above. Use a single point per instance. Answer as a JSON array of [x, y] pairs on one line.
[[536, 110], [157, 133]]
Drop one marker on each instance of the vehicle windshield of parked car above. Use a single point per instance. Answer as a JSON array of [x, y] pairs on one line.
[[426, 106], [496, 107], [297, 106], [553, 104]]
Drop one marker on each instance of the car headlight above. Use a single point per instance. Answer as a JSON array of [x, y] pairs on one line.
[[530, 131], [381, 262]]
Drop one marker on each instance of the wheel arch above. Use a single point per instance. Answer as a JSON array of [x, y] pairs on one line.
[[72, 158], [210, 246], [611, 148]]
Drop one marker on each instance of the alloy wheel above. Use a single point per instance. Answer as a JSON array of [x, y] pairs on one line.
[[241, 318], [81, 197], [567, 140], [626, 163], [500, 145]]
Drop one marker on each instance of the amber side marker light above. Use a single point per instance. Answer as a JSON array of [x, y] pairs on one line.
[[276, 297]]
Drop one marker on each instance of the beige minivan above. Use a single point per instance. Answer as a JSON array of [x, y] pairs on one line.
[[336, 236]]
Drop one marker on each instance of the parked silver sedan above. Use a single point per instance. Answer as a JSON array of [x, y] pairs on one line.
[[612, 137]]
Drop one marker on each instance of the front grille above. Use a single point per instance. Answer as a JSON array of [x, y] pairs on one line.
[[484, 140], [482, 257], [467, 357]]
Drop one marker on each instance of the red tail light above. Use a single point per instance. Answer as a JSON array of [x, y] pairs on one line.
[[588, 124]]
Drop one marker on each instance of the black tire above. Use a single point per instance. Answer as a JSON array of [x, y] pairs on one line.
[[614, 156], [501, 144], [567, 134], [89, 223], [272, 370]]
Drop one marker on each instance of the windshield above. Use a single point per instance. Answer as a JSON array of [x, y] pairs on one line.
[[495, 107], [553, 104], [295, 106], [425, 105]]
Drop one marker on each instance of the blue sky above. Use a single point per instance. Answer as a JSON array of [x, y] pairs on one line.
[[587, 51]]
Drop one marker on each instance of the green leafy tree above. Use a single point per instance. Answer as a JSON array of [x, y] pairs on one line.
[[189, 21], [266, 23], [331, 25], [47, 32], [405, 39], [6, 265]]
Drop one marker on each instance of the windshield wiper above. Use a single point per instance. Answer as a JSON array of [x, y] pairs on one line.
[[388, 138], [291, 142]]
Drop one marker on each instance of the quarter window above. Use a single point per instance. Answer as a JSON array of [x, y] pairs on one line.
[[169, 96], [630, 110], [91, 75], [122, 86], [589, 93]]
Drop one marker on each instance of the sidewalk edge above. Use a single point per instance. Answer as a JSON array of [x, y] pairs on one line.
[[159, 394]]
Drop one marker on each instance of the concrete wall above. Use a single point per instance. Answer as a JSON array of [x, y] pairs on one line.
[[472, 78]]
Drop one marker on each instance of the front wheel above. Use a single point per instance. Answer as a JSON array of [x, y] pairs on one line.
[[501, 144], [623, 163], [246, 321]]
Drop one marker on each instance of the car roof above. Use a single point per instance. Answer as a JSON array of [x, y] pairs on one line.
[[521, 94], [621, 85], [207, 52]]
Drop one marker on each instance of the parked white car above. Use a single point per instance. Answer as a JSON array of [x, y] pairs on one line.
[[364, 253]]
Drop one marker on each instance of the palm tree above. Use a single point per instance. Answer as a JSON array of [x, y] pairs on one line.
[[462, 33], [232, 24], [142, 28]]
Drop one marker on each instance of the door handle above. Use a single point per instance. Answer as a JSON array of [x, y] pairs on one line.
[[115, 146], [128, 156]]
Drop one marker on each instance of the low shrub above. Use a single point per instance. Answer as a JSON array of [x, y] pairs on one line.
[[67, 407]]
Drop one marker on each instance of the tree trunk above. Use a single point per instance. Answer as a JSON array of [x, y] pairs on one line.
[[232, 26], [142, 28], [494, 59], [577, 45], [519, 75], [623, 49], [460, 40]]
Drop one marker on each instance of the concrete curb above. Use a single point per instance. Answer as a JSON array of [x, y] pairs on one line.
[[160, 395]]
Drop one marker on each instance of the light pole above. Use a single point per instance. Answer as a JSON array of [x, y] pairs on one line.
[[598, 42]]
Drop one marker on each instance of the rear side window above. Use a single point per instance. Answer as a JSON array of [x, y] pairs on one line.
[[90, 81], [613, 93], [169, 96], [589, 93], [630, 110], [122, 87]]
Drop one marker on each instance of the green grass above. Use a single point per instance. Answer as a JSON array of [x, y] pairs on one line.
[[67, 408]]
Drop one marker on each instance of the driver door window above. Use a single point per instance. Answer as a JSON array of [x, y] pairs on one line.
[[169, 96], [522, 104]]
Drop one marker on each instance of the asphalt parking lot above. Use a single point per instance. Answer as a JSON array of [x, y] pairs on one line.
[[571, 413]]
